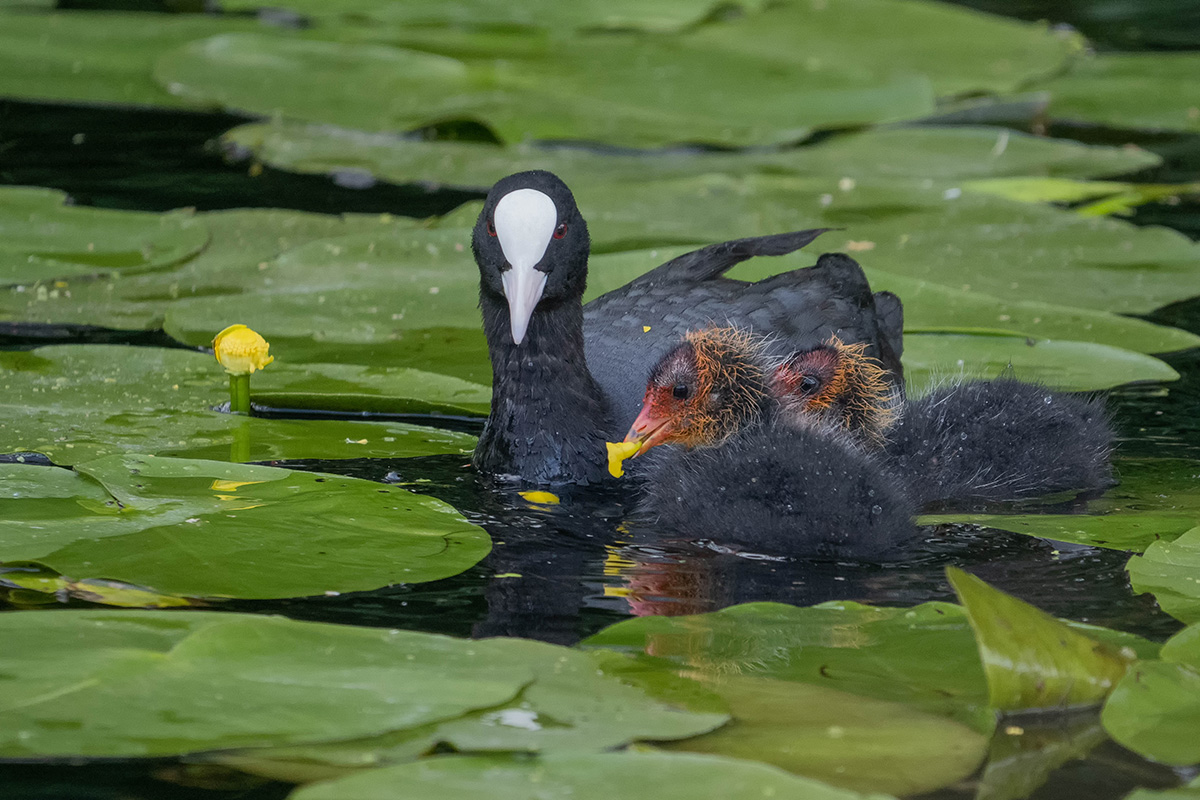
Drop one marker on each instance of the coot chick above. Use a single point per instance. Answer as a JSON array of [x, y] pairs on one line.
[[741, 476], [565, 378], [1001, 440], [966, 441]]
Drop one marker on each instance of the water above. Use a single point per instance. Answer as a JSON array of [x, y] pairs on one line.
[[580, 567]]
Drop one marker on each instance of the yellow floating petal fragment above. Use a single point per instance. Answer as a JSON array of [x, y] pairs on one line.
[[617, 453], [541, 498], [240, 350], [645, 329]]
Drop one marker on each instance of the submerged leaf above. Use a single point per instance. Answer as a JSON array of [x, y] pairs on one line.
[[1031, 659]]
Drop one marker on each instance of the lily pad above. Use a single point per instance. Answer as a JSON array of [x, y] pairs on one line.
[[143, 683], [1155, 710], [96, 58], [847, 740], [1156, 500], [659, 15], [654, 776], [874, 652], [44, 238], [589, 87], [1064, 365], [1032, 660], [212, 529], [74, 403], [1171, 570], [926, 152], [578, 702], [933, 308], [1110, 89], [960, 50]]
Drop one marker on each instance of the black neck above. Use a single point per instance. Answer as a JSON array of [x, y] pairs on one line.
[[549, 417]]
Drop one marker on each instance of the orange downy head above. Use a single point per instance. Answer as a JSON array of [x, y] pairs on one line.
[[839, 384], [703, 391]]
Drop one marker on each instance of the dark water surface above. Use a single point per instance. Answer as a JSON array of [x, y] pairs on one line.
[[578, 567]]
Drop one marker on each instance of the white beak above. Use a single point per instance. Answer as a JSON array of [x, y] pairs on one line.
[[525, 220]]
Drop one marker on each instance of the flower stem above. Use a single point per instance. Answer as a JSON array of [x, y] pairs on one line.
[[239, 394]]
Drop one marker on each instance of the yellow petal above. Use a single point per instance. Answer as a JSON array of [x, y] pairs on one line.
[[617, 453], [240, 350]]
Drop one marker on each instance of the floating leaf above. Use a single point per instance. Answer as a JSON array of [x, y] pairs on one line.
[[43, 238], [1031, 659], [1155, 710], [659, 15], [74, 403], [848, 740], [152, 683], [1110, 89], [210, 529], [1156, 499], [1045, 190], [583, 88], [59, 56], [578, 702], [654, 776], [1067, 366], [925, 152], [1171, 570]]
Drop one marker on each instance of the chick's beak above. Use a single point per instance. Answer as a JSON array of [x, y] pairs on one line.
[[649, 429]]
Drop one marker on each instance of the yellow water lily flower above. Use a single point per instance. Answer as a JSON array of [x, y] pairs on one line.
[[240, 350], [617, 453]]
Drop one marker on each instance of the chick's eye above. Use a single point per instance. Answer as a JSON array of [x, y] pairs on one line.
[[809, 384], [681, 391], [560, 231], [491, 228]]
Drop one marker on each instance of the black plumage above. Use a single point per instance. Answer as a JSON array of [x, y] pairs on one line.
[[577, 375], [780, 490], [1000, 440]]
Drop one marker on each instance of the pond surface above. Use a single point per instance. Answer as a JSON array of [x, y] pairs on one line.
[[563, 573]]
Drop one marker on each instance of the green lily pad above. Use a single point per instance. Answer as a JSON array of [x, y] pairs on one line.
[[1046, 190], [1156, 500], [584, 88], [925, 152], [578, 702], [1064, 365], [1189, 792], [75, 403], [828, 691], [1171, 570], [847, 740], [961, 51], [212, 529], [1032, 660], [1110, 89], [146, 683], [878, 653], [659, 15], [1155, 710], [346, 387], [933, 308], [96, 58], [656, 776], [41, 237]]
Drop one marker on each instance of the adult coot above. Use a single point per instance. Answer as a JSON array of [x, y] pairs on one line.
[[566, 377]]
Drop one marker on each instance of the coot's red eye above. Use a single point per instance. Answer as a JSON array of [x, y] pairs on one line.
[[560, 231], [491, 228]]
